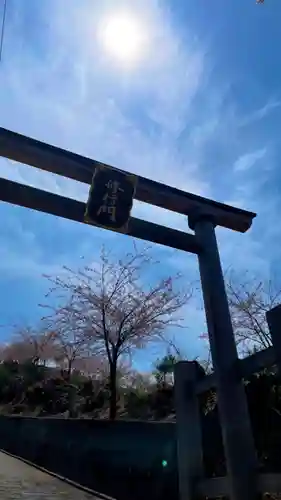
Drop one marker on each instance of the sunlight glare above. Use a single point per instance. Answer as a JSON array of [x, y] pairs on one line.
[[123, 37]]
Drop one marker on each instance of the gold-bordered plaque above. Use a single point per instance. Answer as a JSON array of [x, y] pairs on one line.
[[110, 199]]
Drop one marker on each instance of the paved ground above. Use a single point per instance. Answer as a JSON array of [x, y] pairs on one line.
[[19, 481]]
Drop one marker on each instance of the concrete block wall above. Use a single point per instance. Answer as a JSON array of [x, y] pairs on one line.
[[122, 458]]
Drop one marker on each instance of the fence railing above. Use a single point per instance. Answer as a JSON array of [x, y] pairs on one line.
[[193, 484]]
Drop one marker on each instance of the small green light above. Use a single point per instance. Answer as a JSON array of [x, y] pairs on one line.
[[164, 463]]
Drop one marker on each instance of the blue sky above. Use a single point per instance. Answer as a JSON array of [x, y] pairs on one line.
[[200, 111]]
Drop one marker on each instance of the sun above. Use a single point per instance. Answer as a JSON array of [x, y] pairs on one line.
[[123, 37]]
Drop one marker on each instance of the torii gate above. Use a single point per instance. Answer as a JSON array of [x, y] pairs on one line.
[[203, 215]]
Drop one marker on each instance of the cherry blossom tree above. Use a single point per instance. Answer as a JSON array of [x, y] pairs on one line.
[[31, 344], [72, 346], [249, 299], [113, 310]]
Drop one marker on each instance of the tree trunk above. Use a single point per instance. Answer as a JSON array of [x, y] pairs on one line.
[[113, 390], [69, 369]]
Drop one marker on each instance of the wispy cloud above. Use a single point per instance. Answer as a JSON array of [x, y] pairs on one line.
[[259, 113], [248, 160]]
